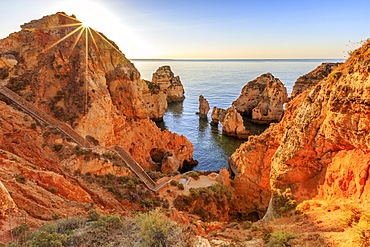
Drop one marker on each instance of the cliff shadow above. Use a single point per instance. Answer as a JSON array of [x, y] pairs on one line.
[[176, 108], [254, 128]]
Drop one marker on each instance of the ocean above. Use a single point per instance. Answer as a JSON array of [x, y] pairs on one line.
[[220, 82]]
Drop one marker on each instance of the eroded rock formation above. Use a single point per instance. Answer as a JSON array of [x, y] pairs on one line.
[[170, 83], [42, 171], [105, 99], [319, 149], [231, 121], [218, 115], [262, 99], [233, 124], [203, 107], [312, 78]]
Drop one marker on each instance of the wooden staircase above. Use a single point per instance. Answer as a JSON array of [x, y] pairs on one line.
[[81, 141]]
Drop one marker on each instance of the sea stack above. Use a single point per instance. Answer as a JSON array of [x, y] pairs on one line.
[[203, 107], [167, 81], [262, 99]]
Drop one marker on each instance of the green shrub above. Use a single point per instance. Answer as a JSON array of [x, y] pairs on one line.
[[53, 190], [69, 224], [44, 239], [57, 147], [284, 201], [195, 175], [147, 203], [93, 215], [200, 201], [130, 184], [280, 238], [350, 216], [55, 216], [360, 232], [21, 229], [20, 179], [80, 151], [335, 75], [109, 156], [155, 229], [55, 131]]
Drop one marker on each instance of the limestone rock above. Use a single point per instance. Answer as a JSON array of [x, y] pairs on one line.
[[320, 148], [6, 201], [108, 101], [155, 100], [312, 78], [170, 83], [262, 99], [170, 164], [7, 61], [203, 107], [233, 124], [224, 177], [218, 115]]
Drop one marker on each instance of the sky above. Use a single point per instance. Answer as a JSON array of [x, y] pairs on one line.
[[211, 29]]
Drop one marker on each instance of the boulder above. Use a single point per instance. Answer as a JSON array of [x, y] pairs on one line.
[[224, 177], [170, 164]]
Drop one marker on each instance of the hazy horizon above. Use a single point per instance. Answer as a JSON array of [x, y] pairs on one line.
[[235, 29]]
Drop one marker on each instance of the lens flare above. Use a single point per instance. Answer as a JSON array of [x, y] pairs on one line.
[[83, 28]]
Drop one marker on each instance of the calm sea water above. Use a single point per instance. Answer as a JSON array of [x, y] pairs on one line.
[[220, 82]]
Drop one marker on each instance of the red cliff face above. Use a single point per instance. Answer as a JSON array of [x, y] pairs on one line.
[[105, 98], [320, 147]]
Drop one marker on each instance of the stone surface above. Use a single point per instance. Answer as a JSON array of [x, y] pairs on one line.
[[233, 124], [170, 83], [320, 148], [224, 177], [262, 99], [170, 164], [110, 102], [218, 115], [203, 107], [155, 100], [311, 79], [6, 201]]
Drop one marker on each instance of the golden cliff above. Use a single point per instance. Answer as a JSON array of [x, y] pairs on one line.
[[99, 93], [319, 149]]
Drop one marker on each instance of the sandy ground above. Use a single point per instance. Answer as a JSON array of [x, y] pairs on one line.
[[171, 192]]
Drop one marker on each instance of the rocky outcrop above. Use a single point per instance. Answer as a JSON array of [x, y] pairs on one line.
[[105, 99], [203, 107], [233, 124], [6, 201], [319, 150], [251, 165], [231, 120], [170, 83], [262, 99], [311, 79], [155, 100], [218, 115]]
